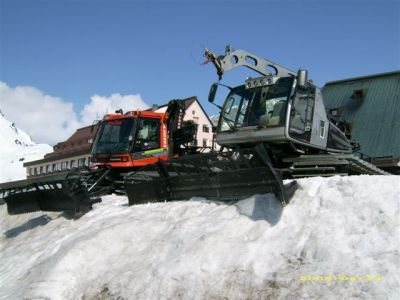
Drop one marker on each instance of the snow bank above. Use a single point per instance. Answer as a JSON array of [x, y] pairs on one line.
[[345, 229], [17, 148]]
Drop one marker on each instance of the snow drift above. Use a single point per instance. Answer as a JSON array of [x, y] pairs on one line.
[[338, 238], [17, 148]]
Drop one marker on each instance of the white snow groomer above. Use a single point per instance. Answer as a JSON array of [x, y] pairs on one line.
[[271, 128]]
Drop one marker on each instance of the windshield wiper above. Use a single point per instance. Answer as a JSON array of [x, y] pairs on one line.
[[252, 112], [255, 117]]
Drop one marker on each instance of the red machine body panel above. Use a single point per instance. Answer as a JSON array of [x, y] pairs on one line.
[[142, 135]]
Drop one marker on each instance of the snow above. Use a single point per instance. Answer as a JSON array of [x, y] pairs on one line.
[[17, 148], [343, 228]]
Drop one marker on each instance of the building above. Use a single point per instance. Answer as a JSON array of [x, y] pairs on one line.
[[72, 154], [75, 151], [196, 113], [370, 105]]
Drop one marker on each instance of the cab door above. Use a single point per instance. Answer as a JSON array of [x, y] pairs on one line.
[[301, 114], [148, 136]]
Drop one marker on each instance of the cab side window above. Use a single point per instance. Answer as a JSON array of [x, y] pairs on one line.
[[148, 137]]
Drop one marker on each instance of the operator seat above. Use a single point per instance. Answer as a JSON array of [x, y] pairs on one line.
[[273, 118]]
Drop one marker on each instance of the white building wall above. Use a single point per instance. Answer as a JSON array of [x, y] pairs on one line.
[[196, 114], [58, 165]]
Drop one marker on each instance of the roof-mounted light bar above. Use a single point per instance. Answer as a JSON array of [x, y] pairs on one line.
[[260, 81]]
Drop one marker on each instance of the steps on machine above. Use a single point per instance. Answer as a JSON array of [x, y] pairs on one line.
[[364, 167], [314, 165], [329, 165]]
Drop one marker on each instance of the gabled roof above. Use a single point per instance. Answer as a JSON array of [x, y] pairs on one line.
[[193, 99], [188, 102], [78, 142]]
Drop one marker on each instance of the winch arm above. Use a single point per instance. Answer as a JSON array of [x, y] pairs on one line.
[[236, 58]]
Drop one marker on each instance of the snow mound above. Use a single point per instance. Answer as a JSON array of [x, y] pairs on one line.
[[337, 239], [17, 148]]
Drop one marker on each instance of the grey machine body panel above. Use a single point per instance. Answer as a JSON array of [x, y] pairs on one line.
[[320, 125], [251, 135]]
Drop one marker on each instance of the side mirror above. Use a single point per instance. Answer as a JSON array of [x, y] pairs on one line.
[[213, 92], [302, 77]]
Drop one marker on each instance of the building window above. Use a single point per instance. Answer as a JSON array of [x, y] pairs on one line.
[[41, 170], [335, 112], [35, 171], [73, 163], [193, 112], [204, 142], [206, 128], [358, 95], [30, 171], [81, 162], [48, 168]]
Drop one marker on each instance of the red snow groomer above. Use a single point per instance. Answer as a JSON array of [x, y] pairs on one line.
[[123, 143], [128, 141]]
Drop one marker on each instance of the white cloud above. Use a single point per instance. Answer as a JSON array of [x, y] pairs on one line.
[[100, 106], [49, 119], [45, 118]]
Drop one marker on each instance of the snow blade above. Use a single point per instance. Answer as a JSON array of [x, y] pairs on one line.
[[72, 193], [214, 176], [63, 196]]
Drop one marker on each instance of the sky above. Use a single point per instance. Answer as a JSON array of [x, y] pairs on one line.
[[64, 63]]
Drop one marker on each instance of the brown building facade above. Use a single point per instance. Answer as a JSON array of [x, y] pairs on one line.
[[68, 155]]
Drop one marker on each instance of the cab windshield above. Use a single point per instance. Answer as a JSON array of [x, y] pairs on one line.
[[262, 106], [115, 136]]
